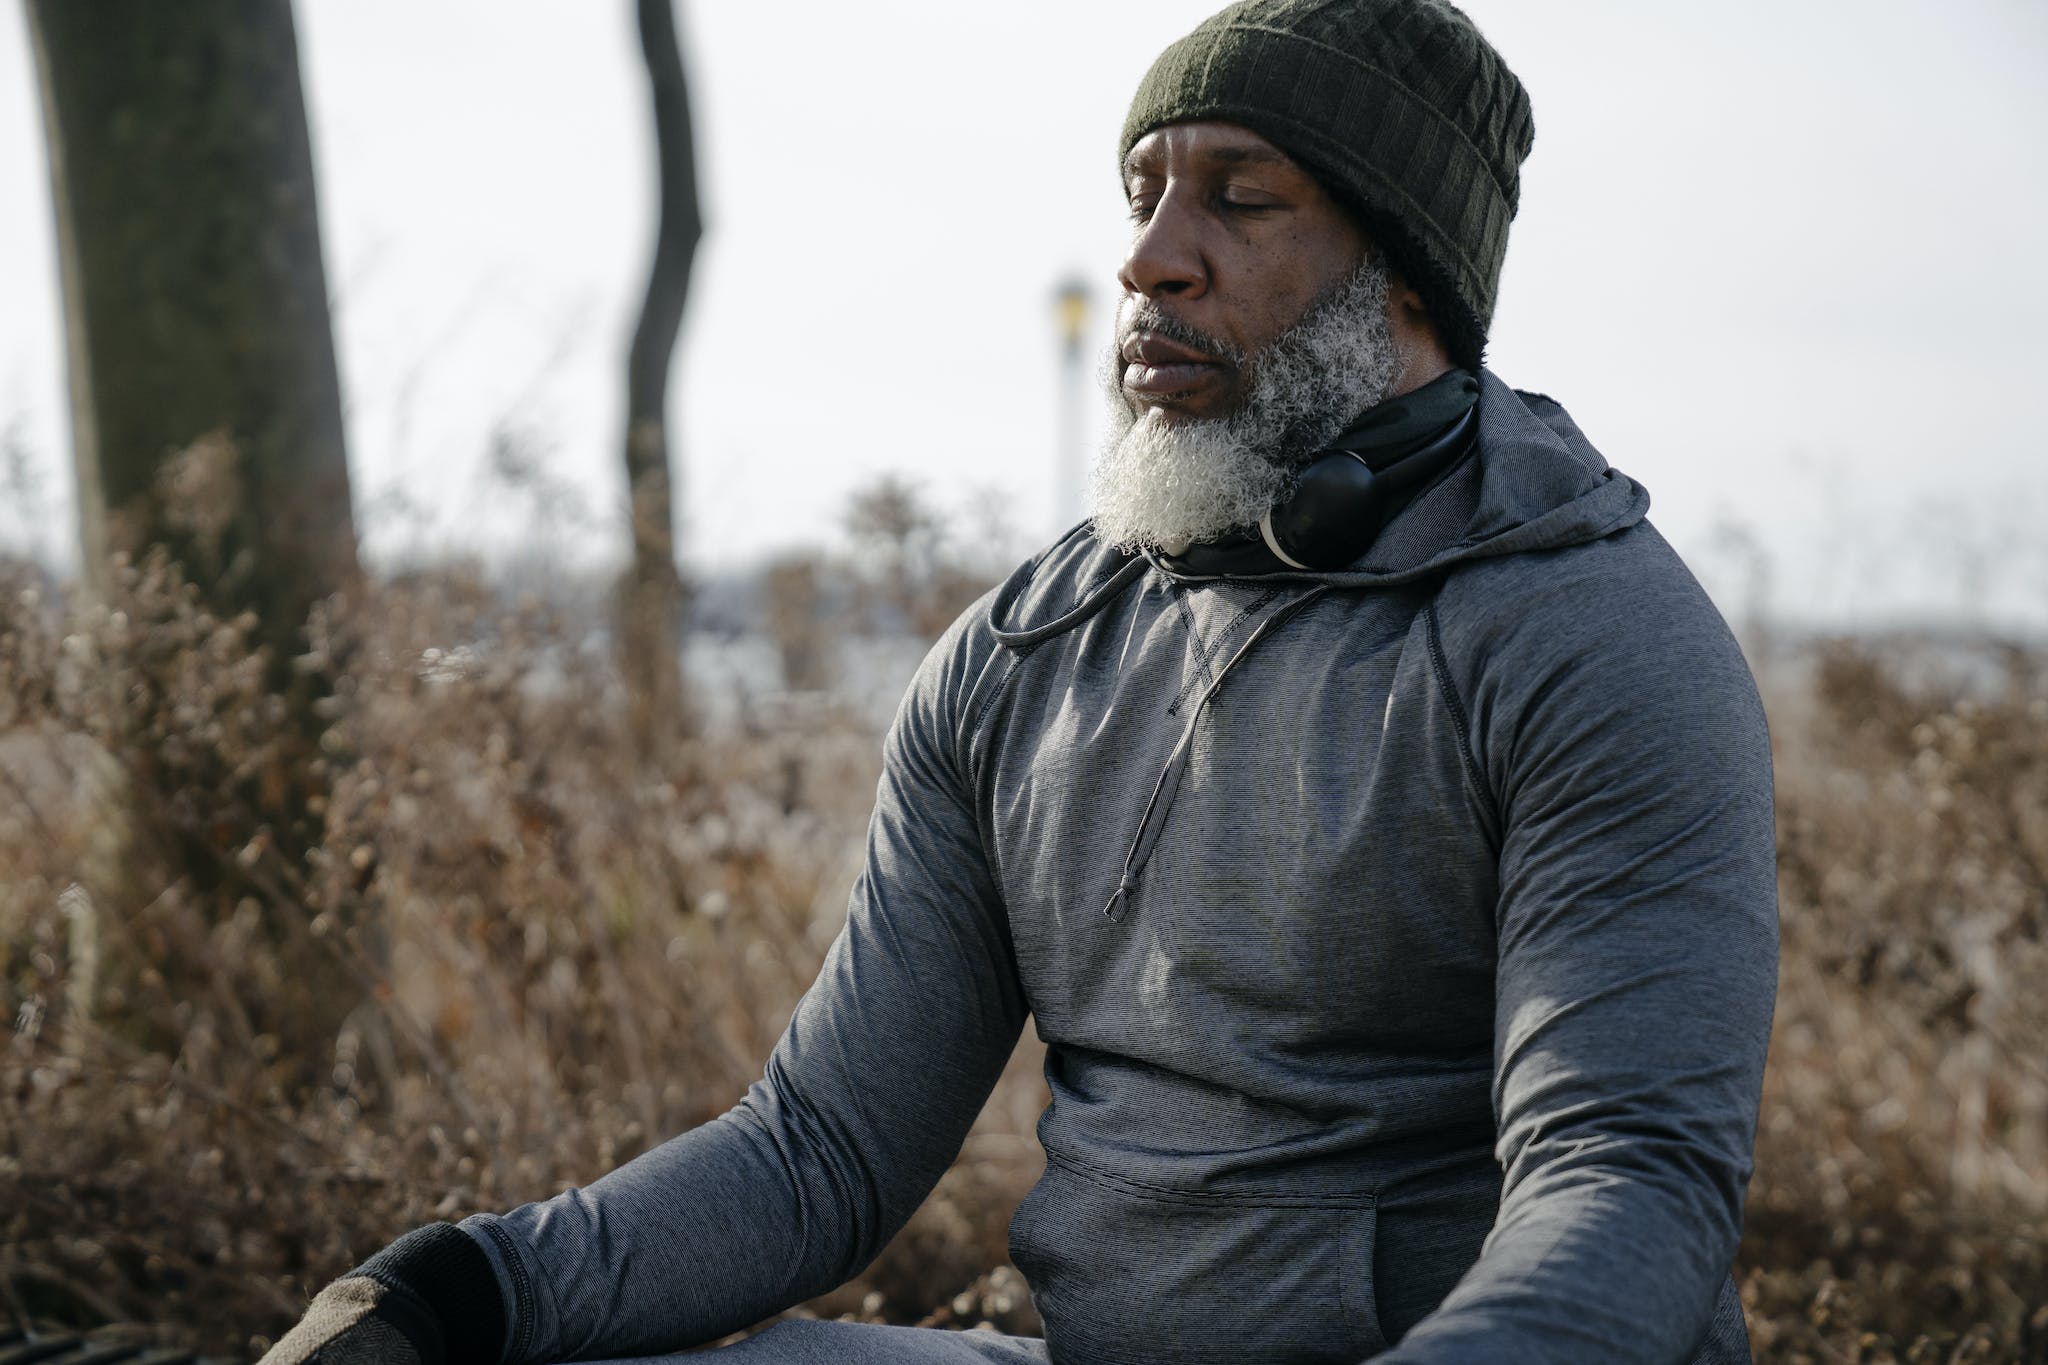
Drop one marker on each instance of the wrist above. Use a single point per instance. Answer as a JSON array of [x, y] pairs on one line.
[[443, 1294]]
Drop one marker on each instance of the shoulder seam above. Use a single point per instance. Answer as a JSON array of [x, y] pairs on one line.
[[968, 763], [1440, 666], [995, 694]]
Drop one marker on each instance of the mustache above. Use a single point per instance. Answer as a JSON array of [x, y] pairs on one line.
[[1146, 316]]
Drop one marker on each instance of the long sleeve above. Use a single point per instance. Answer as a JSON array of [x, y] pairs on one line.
[[864, 1104], [1619, 732]]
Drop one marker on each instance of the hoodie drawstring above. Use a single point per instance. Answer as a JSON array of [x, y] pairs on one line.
[[1168, 786], [1089, 606]]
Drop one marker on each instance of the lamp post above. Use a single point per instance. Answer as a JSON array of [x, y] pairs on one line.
[[1071, 302]]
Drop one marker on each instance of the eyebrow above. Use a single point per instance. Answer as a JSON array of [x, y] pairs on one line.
[[1229, 156]]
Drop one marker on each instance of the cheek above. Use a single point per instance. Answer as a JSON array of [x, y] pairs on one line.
[[1280, 270], [1271, 307], [1282, 295]]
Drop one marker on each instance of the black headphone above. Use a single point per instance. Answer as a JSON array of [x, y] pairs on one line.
[[1342, 502], [1344, 497]]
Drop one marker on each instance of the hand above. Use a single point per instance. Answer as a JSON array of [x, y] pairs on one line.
[[360, 1321]]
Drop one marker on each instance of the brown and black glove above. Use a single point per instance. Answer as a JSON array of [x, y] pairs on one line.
[[430, 1298]]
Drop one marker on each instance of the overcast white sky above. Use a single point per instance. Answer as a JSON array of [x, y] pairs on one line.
[[1781, 258]]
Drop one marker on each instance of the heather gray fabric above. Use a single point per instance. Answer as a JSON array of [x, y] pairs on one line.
[[853, 1343], [1436, 1009]]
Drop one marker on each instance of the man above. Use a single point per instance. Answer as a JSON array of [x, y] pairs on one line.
[[1380, 841]]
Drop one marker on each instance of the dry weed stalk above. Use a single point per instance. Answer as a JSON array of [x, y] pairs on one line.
[[1900, 1209], [551, 951]]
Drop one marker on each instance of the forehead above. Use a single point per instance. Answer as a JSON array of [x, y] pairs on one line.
[[1205, 144]]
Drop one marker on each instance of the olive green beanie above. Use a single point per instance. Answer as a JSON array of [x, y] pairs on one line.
[[1402, 110]]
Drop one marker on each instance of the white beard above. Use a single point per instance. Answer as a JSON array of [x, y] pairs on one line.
[[1167, 483]]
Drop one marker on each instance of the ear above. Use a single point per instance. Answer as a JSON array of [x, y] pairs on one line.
[[1421, 347], [1404, 302]]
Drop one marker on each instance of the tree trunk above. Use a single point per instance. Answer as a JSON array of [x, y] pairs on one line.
[[195, 297], [651, 597], [206, 411]]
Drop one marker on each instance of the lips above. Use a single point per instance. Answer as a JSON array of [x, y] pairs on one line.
[[1155, 367]]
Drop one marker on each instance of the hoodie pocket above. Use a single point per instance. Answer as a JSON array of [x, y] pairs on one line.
[[1124, 1273]]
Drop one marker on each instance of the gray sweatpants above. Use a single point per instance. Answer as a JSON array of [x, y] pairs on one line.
[[852, 1343]]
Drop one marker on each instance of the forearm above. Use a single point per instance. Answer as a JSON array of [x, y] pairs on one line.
[[716, 1229], [785, 1196], [1614, 1262], [708, 1232]]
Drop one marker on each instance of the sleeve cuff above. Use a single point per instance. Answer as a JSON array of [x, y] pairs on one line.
[[442, 1266]]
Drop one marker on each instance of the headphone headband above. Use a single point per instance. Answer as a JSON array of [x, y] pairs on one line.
[[1349, 492]]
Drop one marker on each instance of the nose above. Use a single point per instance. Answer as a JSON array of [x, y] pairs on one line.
[[1165, 255]]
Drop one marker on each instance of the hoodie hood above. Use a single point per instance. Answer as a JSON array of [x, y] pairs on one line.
[[1532, 481]]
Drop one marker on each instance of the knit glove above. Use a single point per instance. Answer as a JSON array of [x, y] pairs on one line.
[[357, 1321], [430, 1298]]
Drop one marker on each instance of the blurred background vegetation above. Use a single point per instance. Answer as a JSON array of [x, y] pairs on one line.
[[334, 900]]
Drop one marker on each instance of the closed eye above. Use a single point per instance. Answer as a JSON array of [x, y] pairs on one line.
[[1241, 201]]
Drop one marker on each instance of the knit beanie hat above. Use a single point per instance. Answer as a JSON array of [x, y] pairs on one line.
[[1399, 107]]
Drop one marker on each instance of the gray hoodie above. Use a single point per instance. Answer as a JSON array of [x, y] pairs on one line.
[[1403, 938]]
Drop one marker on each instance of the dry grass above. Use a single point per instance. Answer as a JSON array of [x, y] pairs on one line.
[[518, 950], [579, 950], [1900, 1211]]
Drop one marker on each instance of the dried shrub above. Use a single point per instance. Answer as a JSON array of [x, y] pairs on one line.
[[535, 950], [540, 950], [1900, 1209]]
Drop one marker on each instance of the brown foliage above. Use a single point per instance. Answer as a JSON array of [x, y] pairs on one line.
[[561, 950], [1900, 1208], [555, 949]]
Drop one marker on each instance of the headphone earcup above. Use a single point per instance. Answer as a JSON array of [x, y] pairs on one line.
[[1336, 509]]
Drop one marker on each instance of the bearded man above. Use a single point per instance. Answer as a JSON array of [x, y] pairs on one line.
[[1404, 999]]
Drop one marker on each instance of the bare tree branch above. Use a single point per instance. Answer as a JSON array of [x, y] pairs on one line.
[[651, 600]]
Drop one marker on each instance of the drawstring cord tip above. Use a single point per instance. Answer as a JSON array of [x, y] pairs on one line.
[[1120, 903]]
